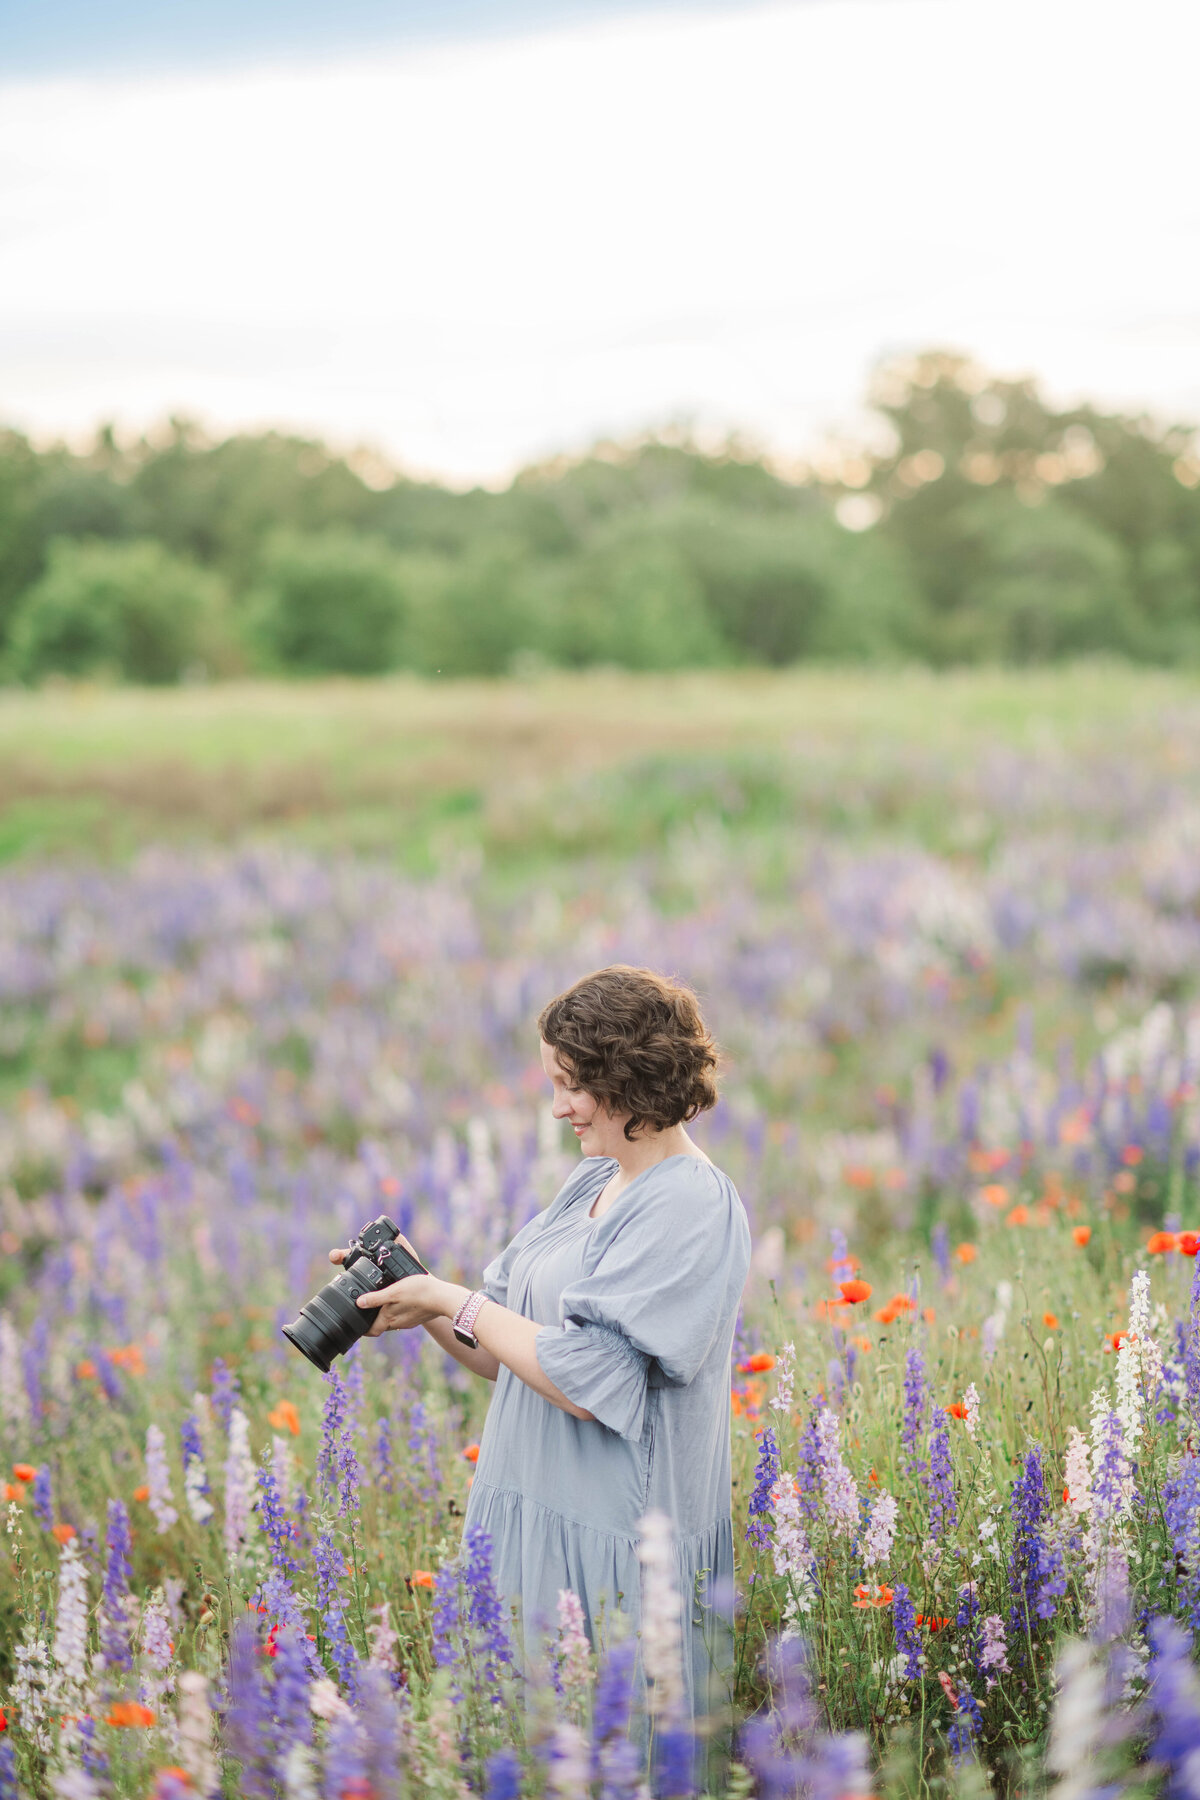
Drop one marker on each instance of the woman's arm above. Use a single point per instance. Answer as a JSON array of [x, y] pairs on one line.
[[504, 1336]]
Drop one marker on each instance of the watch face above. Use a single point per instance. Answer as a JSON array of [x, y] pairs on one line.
[[466, 1337]]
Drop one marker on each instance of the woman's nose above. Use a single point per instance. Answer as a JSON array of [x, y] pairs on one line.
[[561, 1108]]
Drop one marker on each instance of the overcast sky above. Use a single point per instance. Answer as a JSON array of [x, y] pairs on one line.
[[478, 246]]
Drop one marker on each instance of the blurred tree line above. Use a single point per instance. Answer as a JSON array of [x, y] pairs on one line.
[[991, 528]]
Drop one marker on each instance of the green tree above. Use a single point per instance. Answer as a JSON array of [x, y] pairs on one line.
[[633, 602], [328, 602], [127, 610]]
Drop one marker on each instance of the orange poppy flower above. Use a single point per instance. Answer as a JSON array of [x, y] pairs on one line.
[[903, 1303], [1018, 1216], [1189, 1242], [421, 1578], [931, 1623], [14, 1491], [141, 1493], [863, 1596], [472, 1453], [994, 1194], [758, 1364], [63, 1533], [24, 1472], [825, 1309], [928, 1314], [3, 1720], [1050, 1321], [861, 1343], [1161, 1243], [130, 1713], [85, 1370], [966, 1253], [128, 1356], [1114, 1339], [1082, 1235], [886, 1315], [1132, 1155], [848, 1262], [855, 1291], [284, 1417], [858, 1175], [956, 1409], [175, 1775]]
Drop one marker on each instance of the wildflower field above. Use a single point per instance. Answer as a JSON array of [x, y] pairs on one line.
[[958, 996]]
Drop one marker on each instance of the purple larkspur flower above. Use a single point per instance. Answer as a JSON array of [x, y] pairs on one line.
[[965, 1726], [916, 1410], [422, 1465], [904, 1625], [1035, 1567], [385, 1466], [291, 1713], [115, 1623], [333, 1419], [41, 1500], [9, 1789], [616, 1764], [943, 1507], [275, 1522], [226, 1391], [1174, 1707], [766, 1474], [247, 1721], [940, 1244], [329, 1566], [783, 1746], [1191, 1350], [345, 1764], [808, 1471], [1181, 1497], [674, 1763], [502, 1779], [484, 1609]]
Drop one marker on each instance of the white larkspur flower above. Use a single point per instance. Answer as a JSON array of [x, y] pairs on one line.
[[785, 1375], [14, 1400], [792, 1552], [971, 1402], [158, 1479], [1078, 1473], [70, 1648], [1130, 1359], [837, 1484], [573, 1650], [662, 1617], [239, 1485], [881, 1531], [569, 1770], [195, 1731]]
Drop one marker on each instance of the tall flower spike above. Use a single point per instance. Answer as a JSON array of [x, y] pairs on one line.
[[662, 1612], [881, 1531], [908, 1641], [766, 1474], [792, 1552], [943, 1507], [158, 1478], [239, 1481], [115, 1603], [195, 1475], [838, 1491], [916, 1410]]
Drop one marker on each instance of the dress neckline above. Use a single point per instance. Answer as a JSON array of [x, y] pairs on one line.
[[677, 1156]]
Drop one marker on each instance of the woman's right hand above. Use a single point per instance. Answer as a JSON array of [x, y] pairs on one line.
[[339, 1255]]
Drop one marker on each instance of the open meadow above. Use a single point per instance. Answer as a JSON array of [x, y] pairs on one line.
[[270, 962]]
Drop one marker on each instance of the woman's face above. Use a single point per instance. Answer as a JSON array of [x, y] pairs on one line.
[[600, 1132]]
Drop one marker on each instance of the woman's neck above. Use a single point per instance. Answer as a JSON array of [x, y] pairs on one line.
[[641, 1153]]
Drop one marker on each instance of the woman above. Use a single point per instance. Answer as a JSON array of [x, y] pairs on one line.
[[607, 1324]]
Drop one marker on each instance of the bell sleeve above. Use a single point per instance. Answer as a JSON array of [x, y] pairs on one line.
[[668, 1276]]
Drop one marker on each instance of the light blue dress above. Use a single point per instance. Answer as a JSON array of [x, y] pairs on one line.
[[639, 1309]]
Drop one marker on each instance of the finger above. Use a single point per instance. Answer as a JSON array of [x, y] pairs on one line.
[[337, 1256], [408, 1246], [381, 1297]]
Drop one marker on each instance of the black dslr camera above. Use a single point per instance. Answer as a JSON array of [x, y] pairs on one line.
[[333, 1320]]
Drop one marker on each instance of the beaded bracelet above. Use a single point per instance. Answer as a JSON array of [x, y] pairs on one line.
[[465, 1317]]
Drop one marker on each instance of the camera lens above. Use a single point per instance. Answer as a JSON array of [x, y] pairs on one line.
[[331, 1322]]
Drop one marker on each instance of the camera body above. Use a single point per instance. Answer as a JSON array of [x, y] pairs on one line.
[[333, 1321]]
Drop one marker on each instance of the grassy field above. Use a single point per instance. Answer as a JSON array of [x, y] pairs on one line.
[[413, 769]]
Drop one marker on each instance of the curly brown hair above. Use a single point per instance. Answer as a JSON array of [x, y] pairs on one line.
[[636, 1042]]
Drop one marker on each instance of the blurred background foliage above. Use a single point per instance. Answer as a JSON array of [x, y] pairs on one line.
[[982, 526]]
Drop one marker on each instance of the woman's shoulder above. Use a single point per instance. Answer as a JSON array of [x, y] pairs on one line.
[[694, 1189]]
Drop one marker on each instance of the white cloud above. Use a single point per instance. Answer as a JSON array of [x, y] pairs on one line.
[[475, 254]]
